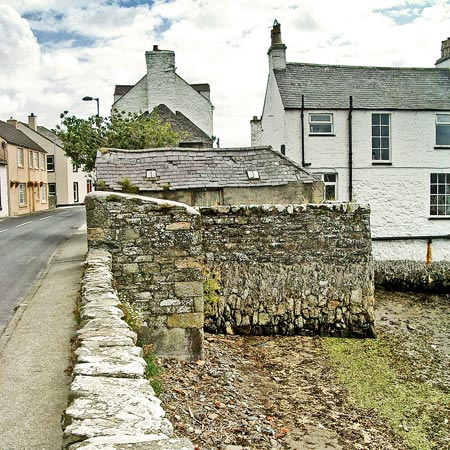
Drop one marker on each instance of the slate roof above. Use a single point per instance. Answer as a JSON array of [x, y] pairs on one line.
[[14, 136], [329, 87], [122, 89], [184, 126], [183, 168], [45, 132]]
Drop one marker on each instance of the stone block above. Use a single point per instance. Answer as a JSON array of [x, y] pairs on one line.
[[176, 226], [130, 234], [187, 320], [130, 268], [185, 289], [95, 234], [199, 304]]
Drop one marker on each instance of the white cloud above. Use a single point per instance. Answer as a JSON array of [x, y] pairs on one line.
[[223, 43]]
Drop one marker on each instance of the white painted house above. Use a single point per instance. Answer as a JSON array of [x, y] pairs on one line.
[[163, 86], [377, 135], [66, 181]]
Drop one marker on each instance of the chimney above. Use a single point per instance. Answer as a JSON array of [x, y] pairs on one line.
[[12, 122], [256, 132], [32, 121], [277, 50], [161, 79], [444, 60]]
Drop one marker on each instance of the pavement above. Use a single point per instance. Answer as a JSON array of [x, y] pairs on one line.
[[34, 353]]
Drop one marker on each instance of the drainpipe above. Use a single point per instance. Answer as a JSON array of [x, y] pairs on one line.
[[302, 116], [350, 151]]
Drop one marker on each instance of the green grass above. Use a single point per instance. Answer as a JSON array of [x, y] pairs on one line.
[[370, 370], [153, 373]]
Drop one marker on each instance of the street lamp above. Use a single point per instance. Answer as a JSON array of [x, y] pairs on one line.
[[89, 99]]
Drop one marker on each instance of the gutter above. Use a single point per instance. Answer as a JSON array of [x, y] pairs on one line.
[[410, 238]]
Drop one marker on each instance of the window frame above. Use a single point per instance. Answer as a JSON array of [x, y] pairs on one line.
[[53, 185], [381, 137], [442, 124], [44, 193], [22, 194], [439, 198], [20, 157], [330, 183], [51, 166], [36, 160], [76, 192], [30, 159], [43, 162], [319, 123]]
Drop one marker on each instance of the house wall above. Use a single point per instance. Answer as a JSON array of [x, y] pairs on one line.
[[25, 175], [63, 176], [287, 194], [4, 187], [398, 194], [135, 100]]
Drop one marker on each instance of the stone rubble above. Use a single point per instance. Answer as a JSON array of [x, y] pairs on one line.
[[112, 404]]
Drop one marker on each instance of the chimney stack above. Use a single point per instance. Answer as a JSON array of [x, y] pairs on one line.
[[32, 121], [277, 50], [12, 122], [444, 60]]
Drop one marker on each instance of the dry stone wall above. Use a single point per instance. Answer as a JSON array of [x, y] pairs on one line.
[[112, 405], [157, 265], [288, 269]]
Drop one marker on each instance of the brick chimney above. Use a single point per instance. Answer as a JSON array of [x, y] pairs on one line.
[[277, 50], [444, 60], [32, 121], [161, 78]]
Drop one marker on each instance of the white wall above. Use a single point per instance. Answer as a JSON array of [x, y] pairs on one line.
[[4, 191], [135, 100], [399, 194]]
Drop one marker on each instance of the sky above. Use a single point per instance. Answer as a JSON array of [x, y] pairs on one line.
[[55, 52]]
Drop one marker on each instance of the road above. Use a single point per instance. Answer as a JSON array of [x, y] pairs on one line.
[[26, 244]]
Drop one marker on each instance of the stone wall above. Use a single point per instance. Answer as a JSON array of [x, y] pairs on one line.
[[157, 265], [288, 269], [112, 405], [413, 276]]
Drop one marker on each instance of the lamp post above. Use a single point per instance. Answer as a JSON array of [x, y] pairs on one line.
[[89, 99]]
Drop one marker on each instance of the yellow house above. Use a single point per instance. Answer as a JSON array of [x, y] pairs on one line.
[[27, 170]]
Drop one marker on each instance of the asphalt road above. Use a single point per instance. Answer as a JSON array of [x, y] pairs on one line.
[[26, 245]]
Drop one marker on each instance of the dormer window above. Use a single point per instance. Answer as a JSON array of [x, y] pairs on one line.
[[151, 173], [252, 174]]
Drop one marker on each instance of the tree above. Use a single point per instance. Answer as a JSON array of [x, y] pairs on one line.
[[82, 138]]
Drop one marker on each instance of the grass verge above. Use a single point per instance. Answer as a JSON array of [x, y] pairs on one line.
[[370, 370]]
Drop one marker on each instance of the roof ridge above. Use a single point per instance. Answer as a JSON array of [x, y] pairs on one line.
[[434, 69]]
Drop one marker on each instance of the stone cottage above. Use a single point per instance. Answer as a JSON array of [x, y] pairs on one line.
[[208, 177]]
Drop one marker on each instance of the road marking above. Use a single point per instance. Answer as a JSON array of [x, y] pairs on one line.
[[43, 218], [2, 231], [22, 224]]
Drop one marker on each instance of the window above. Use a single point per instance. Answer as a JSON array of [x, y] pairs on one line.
[[30, 160], [440, 194], [330, 188], [252, 174], [381, 137], [20, 157], [321, 123], [76, 198], [44, 193], [443, 129], [50, 163], [74, 167], [36, 160], [22, 194], [151, 173], [43, 161], [51, 188]]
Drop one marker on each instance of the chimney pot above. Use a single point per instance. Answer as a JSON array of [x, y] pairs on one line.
[[155, 48], [275, 33]]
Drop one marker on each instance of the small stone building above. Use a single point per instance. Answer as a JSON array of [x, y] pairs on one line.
[[206, 177]]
